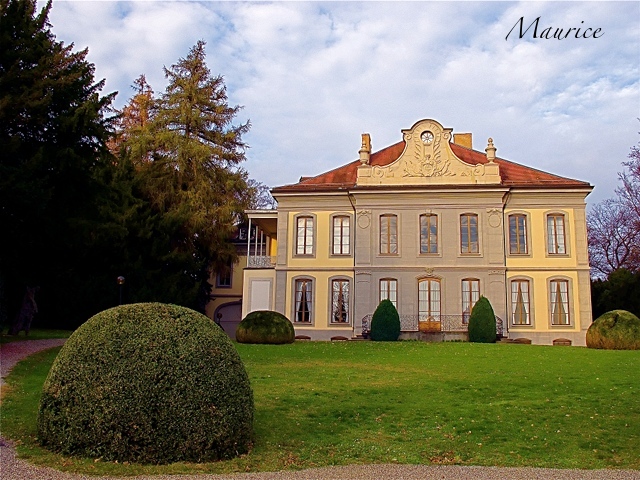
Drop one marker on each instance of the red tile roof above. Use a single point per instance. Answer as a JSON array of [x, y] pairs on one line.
[[512, 174]]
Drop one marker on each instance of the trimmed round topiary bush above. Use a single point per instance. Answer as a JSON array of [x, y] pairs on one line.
[[147, 383], [385, 324], [615, 330], [265, 326], [482, 322]]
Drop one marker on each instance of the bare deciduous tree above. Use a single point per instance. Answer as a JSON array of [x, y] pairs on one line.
[[613, 238], [629, 191], [614, 224]]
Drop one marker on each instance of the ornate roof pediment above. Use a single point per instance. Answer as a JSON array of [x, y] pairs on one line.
[[427, 159]]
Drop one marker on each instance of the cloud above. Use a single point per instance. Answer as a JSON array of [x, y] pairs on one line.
[[314, 76]]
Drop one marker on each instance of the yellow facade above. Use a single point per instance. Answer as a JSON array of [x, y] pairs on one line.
[[322, 255], [322, 299]]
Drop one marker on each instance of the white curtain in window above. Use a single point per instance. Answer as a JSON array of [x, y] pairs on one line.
[[520, 302], [559, 302]]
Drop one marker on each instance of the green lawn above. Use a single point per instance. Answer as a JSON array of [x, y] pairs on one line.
[[321, 404]]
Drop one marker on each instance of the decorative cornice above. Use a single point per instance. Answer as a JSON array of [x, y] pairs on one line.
[[363, 272]]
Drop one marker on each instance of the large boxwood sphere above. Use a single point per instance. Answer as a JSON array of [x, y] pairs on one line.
[[615, 330], [148, 383], [265, 326]]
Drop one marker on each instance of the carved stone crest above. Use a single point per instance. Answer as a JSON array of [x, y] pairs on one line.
[[364, 218], [427, 159]]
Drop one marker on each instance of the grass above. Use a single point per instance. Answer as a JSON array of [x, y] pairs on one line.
[[320, 404], [35, 334]]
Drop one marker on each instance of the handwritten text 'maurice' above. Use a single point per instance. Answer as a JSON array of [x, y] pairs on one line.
[[558, 33]]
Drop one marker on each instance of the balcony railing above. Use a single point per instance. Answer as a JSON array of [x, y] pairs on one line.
[[261, 261], [431, 324]]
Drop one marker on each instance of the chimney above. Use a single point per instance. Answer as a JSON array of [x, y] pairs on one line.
[[365, 149], [462, 139], [491, 151]]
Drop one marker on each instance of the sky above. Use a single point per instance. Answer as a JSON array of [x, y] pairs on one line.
[[313, 76]]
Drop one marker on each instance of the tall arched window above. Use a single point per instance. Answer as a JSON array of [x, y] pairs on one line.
[[388, 234], [303, 297], [341, 235], [304, 236], [517, 234], [469, 233], [559, 301], [389, 290], [429, 299], [428, 233], [470, 295], [520, 302], [340, 301], [556, 234]]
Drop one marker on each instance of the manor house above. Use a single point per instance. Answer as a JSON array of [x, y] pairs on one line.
[[430, 224]]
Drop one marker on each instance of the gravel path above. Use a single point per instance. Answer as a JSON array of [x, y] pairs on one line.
[[12, 468], [11, 353]]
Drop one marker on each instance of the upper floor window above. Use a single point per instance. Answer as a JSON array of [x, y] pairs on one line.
[[389, 290], [341, 235], [428, 233], [556, 234], [469, 233], [303, 300], [304, 236], [517, 234], [340, 301], [520, 303], [429, 299], [470, 295], [389, 234], [559, 301]]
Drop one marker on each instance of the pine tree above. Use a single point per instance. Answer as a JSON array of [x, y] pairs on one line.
[[133, 121], [187, 162]]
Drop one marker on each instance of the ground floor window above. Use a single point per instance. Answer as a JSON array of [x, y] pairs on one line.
[[429, 299], [389, 290], [520, 303], [304, 300], [559, 300], [340, 301], [470, 295]]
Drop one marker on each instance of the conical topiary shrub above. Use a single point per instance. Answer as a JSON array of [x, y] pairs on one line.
[[482, 322], [265, 326], [615, 330], [385, 324]]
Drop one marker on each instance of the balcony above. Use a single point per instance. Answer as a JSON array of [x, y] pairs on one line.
[[261, 261], [261, 238]]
